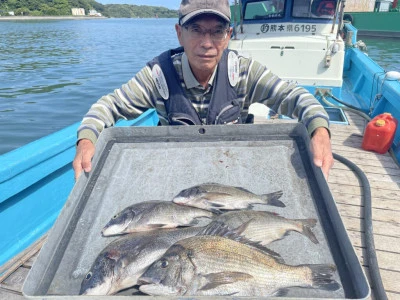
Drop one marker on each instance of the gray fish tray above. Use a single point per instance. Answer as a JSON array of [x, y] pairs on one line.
[[135, 164]]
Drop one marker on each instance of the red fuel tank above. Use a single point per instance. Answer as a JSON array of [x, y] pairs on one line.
[[379, 133]]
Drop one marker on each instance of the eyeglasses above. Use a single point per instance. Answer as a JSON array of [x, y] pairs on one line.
[[196, 32]]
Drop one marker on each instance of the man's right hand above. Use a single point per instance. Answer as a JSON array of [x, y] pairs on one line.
[[83, 157]]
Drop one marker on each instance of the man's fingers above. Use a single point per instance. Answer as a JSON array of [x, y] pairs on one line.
[[87, 162], [83, 158], [322, 151], [76, 164], [318, 160], [326, 167], [325, 171]]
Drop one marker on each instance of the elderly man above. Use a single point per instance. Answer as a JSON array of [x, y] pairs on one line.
[[203, 82]]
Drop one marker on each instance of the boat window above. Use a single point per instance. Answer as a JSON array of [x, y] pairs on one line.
[[320, 9], [269, 9]]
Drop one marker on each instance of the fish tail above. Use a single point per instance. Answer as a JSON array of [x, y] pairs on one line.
[[306, 225], [272, 199], [322, 277]]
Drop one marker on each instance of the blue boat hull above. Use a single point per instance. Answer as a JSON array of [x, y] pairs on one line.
[[35, 181], [367, 87]]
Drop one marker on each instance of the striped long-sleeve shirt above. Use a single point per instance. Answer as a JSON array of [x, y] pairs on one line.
[[256, 84]]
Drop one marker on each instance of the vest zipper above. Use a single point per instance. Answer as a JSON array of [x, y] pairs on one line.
[[222, 111], [178, 119]]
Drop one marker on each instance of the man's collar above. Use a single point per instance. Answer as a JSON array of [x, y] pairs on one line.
[[188, 77]]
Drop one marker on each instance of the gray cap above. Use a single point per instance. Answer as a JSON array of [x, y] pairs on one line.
[[193, 8]]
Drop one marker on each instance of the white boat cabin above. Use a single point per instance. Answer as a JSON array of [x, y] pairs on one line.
[[297, 39]]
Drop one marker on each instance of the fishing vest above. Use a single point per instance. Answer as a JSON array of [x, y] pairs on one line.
[[224, 107]]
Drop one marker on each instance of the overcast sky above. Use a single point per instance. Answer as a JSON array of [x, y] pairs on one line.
[[171, 4]]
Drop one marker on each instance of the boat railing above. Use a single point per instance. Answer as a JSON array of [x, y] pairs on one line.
[[35, 181]]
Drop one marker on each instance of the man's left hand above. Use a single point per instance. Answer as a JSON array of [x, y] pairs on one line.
[[322, 150]]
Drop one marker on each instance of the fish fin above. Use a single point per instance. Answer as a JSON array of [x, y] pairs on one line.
[[103, 234], [221, 229], [277, 203], [268, 251], [272, 199], [214, 214], [214, 206], [123, 262], [219, 211], [306, 229], [214, 228], [322, 277], [193, 222], [280, 293], [218, 228], [214, 195], [215, 211], [243, 189], [231, 294], [210, 183], [216, 279], [311, 222], [250, 206], [240, 229], [157, 226], [197, 220], [113, 254]]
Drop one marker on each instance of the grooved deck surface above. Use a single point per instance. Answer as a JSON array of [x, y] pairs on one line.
[[384, 178]]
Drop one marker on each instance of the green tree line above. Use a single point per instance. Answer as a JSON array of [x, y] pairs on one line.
[[139, 11], [63, 8]]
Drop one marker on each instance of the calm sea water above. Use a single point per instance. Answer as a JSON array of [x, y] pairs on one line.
[[52, 71], [385, 51]]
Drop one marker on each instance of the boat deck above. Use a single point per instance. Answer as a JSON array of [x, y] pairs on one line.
[[16, 270], [384, 177]]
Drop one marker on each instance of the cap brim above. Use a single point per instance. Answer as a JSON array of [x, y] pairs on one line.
[[200, 12]]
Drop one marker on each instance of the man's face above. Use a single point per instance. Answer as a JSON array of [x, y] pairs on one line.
[[204, 41]]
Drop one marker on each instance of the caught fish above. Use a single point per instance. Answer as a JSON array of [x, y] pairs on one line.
[[218, 198], [266, 227], [214, 265], [124, 260], [152, 215]]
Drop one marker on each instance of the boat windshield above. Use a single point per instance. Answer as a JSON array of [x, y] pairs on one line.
[[269, 9], [320, 9]]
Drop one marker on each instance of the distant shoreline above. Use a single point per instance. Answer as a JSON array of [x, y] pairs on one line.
[[28, 18]]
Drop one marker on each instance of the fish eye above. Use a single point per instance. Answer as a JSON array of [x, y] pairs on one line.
[[116, 216], [164, 263], [88, 276]]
